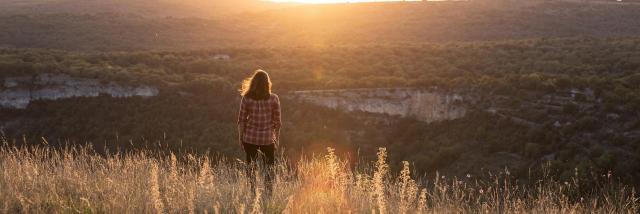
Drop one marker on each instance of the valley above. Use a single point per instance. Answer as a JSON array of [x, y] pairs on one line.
[[454, 87], [480, 106]]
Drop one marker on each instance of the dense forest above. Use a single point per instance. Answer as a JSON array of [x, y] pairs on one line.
[[89, 28], [147, 8], [198, 99]]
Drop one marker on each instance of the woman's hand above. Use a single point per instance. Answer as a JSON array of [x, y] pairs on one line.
[[276, 137], [276, 141]]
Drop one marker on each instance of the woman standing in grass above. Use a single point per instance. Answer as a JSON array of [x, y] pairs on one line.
[[259, 121]]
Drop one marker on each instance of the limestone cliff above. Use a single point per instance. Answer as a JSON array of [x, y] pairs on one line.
[[424, 105], [18, 92]]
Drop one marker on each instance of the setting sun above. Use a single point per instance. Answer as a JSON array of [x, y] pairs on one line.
[[333, 1]]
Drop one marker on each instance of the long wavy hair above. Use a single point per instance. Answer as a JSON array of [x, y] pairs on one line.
[[257, 87]]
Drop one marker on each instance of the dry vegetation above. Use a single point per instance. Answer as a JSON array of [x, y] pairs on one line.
[[42, 179]]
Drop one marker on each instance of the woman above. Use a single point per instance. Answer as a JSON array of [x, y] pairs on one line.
[[259, 120]]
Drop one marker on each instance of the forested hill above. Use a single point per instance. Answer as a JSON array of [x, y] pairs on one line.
[[314, 25], [580, 96], [149, 8]]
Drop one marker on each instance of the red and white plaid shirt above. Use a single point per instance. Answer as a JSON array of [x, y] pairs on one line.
[[260, 119]]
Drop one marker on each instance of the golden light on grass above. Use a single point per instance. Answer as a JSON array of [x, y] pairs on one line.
[[41, 179]]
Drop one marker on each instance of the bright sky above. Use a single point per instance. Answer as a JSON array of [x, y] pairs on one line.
[[332, 1]]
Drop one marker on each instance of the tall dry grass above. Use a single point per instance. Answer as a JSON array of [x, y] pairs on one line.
[[40, 179]]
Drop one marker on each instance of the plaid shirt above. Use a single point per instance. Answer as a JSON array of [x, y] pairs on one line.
[[260, 119]]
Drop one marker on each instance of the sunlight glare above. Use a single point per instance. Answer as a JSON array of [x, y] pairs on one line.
[[333, 1]]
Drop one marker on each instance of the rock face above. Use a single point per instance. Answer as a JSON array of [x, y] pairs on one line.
[[18, 92], [424, 105]]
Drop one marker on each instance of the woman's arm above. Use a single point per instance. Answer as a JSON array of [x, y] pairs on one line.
[[242, 119], [276, 118]]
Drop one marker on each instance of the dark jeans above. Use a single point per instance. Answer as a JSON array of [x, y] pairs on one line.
[[265, 154]]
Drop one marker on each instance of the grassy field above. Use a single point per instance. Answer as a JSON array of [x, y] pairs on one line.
[[42, 179]]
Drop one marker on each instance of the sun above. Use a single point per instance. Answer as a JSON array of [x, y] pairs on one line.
[[333, 1]]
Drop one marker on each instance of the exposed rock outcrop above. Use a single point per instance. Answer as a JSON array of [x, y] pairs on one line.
[[424, 105], [18, 92]]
